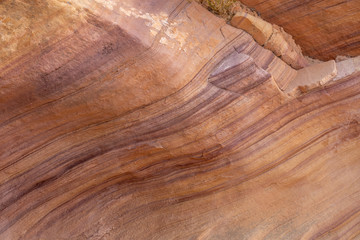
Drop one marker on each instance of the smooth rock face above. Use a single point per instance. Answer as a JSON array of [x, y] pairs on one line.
[[323, 29], [157, 120], [347, 67], [313, 76]]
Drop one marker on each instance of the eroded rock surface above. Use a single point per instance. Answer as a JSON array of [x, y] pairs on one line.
[[313, 76], [347, 67], [157, 120], [323, 29], [272, 37]]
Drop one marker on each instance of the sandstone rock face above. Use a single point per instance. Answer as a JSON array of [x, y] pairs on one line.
[[259, 29], [347, 67], [157, 120], [272, 37], [313, 76], [323, 29]]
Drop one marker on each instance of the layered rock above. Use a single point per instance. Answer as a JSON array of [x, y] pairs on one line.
[[272, 37], [157, 120], [323, 29]]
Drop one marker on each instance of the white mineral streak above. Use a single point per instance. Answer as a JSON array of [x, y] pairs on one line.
[[108, 4], [157, 22]]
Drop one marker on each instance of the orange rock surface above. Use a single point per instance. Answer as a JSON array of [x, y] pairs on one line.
[[323, 29], [272, 37], [157, 120]]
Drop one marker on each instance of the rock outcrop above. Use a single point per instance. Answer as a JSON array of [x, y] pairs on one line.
[[312, 77], [323, 29], [347, 67], [158, 120], [271, 37]]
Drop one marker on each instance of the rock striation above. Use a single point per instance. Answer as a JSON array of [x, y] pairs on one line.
[[323, 29], [158, 120]]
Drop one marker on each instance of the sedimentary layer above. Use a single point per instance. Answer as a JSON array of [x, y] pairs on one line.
[[158, 120], [323, 29]]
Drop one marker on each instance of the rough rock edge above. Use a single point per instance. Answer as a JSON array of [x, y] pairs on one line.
[[271, 37], [291, 53], [344, 66]]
